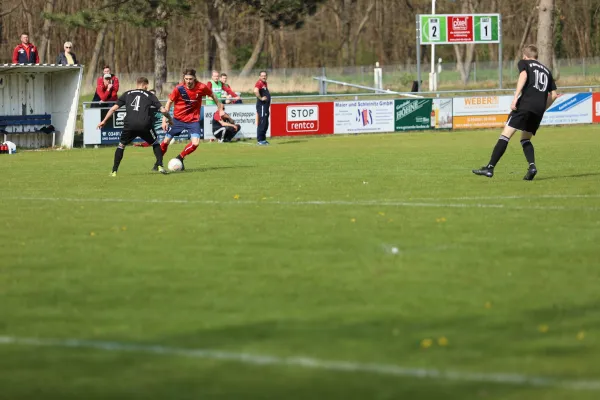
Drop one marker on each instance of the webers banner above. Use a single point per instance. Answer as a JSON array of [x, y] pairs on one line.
[[243, 114], [363, 116], [481, 112], [298, 119], [413, 114], [572, 108]]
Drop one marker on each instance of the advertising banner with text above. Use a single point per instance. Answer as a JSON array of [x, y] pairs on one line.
[[299, 119], [572, 108], [414, 114], [243, 114], [363, 116], [480, 111]]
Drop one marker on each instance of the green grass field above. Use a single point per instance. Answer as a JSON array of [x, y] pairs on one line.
[[269, 273]]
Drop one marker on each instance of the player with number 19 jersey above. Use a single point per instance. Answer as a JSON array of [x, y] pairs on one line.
[[534, 95]]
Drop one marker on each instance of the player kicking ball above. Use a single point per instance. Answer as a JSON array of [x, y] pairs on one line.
[[187, 98], [140, 105], [536, 91]]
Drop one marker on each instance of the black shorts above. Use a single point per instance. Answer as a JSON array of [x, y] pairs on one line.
[[129, 135], [524, 121]]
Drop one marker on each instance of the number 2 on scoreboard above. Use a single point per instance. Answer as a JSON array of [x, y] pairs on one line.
[[434, 29]]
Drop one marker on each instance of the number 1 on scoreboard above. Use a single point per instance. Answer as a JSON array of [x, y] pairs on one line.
[[434, 29], [485, 25]]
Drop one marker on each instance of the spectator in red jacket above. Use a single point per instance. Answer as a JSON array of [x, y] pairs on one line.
[[106, 90], [114, 80], [25, 52]]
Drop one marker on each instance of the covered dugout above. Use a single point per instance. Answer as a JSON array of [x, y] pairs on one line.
[[35, 96]]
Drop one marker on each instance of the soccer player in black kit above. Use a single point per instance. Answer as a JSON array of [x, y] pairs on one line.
[[536, 91], [140, 105]]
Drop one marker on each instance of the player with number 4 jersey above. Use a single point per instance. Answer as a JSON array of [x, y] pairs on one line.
[[536, 91], [140, 107]]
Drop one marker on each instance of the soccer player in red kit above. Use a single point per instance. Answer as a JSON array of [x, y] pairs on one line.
[[187, 98]]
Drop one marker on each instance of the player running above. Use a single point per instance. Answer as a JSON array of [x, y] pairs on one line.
[[187, 98], [536, 91], [140, 105]]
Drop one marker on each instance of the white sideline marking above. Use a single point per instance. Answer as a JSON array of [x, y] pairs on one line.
[[309, 362], [381, 203], [541, 196]]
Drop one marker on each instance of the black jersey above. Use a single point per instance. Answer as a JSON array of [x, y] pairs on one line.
[[141, 106], [539, 83]]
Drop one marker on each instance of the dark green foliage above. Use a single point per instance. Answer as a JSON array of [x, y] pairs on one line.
[[279, 13], [136, 12]]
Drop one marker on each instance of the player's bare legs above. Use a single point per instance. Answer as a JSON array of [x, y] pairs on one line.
[[497, 153]]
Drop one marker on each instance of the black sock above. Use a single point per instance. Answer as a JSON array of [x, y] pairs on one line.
[[158, 154], [118, 157], [499, 150], [529, 151]]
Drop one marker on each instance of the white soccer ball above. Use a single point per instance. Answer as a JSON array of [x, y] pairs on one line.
[[175, 165]]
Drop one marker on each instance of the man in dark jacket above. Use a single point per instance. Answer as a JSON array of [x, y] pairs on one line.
[[25, 52], [67, 57]]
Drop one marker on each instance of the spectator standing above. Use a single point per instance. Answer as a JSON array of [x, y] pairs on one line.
[[25, 52], [263, 104], [229, 96], [67, 57], [216, 87]]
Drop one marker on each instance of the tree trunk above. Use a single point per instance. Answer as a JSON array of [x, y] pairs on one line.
[[345, 30], [465, 52], [93, 65], [546, 32], [358, 32], [260, 43], [526, 32], [110, 51], [283, 53], [379, 32], [45, 40], [160, 52], [217, 22], [29, 19], [206, 43], [464, 60]]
